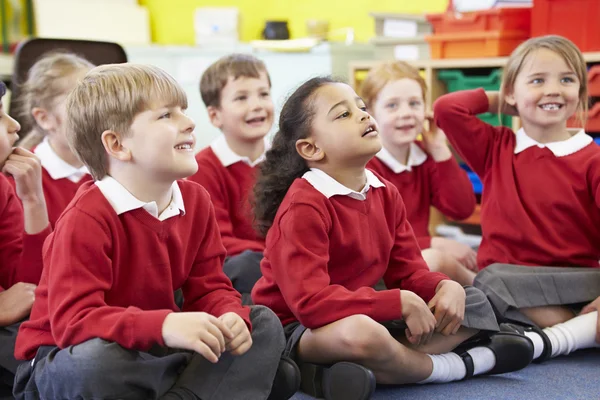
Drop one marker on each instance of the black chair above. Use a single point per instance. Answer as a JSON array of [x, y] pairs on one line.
[[29, 51]]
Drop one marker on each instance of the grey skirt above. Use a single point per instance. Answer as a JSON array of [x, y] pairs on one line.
[[511, 287], [478, 315]]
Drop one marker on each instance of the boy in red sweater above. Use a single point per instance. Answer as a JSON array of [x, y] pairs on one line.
[[425, 172], [23, 228], [43, 95], [105, 324], [236, 91]]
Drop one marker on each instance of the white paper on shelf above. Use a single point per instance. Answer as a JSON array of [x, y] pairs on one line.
[[406, 52], [399, 28]]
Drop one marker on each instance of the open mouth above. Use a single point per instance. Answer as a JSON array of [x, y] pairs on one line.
[[185, 146], [370, 129], [256, 121], [406, 127], [551, 106]]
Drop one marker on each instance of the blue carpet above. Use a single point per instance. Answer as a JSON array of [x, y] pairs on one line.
[[575, 377]]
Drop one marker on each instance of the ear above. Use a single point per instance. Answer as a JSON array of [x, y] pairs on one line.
[[43, 118], [509, 98], [113, 144], [214, 116], [309, 150]]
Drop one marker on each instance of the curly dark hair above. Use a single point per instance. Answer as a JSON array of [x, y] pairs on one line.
[[283, 164]]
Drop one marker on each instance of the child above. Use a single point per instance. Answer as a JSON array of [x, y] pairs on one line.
[[104, 324], [23, 228], [425, 172], [334, 230], [236, 91], [44, 93], [540, 210]]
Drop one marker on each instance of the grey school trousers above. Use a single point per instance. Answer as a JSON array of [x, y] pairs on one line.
[[97, 369]]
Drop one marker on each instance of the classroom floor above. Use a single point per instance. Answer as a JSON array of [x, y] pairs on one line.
[[575, 377]]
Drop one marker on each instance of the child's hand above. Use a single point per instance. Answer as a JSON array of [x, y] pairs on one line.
[[242, 340], [418, 318], [434, 140], [26, 169], [448, 306], [16, 303], [197, 331], [594, 306], [462, 252]]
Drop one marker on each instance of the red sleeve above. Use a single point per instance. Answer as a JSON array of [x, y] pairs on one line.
[[456, 114], [207, 288], [452, 192], [299, 255], [424, 242], [20, 253], [79, 270], [407, 269], [210, 178]]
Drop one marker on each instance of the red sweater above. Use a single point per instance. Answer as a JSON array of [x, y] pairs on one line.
[[324, 256], [229, 189], [113, 277], [20, 253], [537, 209], [443, 185]]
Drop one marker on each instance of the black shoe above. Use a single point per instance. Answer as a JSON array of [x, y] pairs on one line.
[[341, 381], [513, 352], [521, 329], [287, 380]]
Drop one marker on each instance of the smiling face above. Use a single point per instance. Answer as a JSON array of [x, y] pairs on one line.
[[246, 110], [400, 112], [546, 91], [342, 128], [161, 142]]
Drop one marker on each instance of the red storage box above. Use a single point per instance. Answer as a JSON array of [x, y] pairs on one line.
[[495, 19], [594, 81], [577, 20], [474, 44], [593, 121]]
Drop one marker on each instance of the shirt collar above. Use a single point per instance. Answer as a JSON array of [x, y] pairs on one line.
[[123, 201], [57, 167], [416, 157], [330, 187], [228, 157], [559, 149]]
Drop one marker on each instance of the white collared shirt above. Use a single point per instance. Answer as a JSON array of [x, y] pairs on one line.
[[122, 200], [57, 167], [228, 157], [416, 157], [330, 187], [559, 149]]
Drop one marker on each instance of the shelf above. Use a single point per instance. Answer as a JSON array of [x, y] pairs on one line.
[[6, 66]]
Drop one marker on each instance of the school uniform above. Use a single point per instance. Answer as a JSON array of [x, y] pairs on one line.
[[540, 208], [60, 180], [20, 261], [111, 268], [230, 179], [423, 183], [339, 243]]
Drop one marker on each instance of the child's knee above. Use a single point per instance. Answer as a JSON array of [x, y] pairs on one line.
[[365, 338], [265, 323]]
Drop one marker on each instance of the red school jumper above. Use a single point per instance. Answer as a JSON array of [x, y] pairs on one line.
[[325, 255], [113, 276], [425, 183], [540, 203]]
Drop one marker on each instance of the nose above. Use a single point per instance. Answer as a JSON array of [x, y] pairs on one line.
[[404, 110], [552, 88], [188, 124], [13, 126]]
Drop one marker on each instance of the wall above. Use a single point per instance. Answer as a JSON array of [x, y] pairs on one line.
[[172, 20]]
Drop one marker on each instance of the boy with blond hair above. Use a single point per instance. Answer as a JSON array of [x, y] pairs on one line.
[[105, 324], [236, 91]]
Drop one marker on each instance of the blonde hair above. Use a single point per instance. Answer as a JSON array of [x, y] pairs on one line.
[[559, 45], [109, 98], [215, 78], [47, 79], [387, 72]]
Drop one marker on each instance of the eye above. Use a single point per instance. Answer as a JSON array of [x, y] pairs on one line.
[[241, 98], [343, 115], [165, 115], [415, 103], [567, 79], [265, 94], [391, 106], [364, 108], [537, 81]]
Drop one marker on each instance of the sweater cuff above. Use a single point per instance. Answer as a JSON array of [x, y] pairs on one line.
[[387, 305], [424, 242], [148, 326]]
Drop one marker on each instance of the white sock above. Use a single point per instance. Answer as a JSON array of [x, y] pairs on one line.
[[577, 333], [538, 343], [484, 359], [446, 368]]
